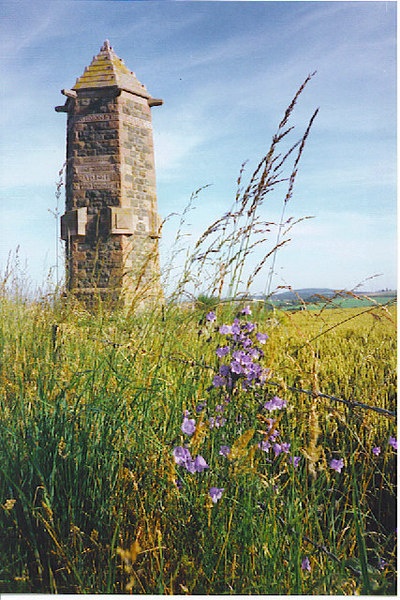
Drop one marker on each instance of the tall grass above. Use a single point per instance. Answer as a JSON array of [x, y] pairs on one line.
[[291, 493], [92, 500]]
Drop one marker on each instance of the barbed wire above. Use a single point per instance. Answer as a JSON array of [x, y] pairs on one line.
[[351, 403]]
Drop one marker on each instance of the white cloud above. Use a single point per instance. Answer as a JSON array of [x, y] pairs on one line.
[[172, 150]]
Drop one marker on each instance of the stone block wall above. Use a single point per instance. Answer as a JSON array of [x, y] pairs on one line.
[[111, 174]]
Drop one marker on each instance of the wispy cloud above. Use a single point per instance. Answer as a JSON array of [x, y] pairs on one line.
[[16, 33], [226, 71]]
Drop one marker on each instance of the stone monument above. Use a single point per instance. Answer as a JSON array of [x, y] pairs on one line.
[[111, 225]]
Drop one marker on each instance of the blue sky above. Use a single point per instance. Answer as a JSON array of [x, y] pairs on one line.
[[226, 72]]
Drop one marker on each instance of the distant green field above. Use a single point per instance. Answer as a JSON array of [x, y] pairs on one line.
[[341, 303]]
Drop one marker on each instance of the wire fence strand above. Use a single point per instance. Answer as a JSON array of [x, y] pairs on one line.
[[351, 403]]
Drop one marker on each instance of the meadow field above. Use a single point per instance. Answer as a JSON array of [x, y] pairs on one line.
[[173, 452]]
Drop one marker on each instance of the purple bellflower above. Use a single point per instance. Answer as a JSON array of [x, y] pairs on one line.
[[262, 337], [225, 329], [275, 403], [222, 351], [337, 464], [216, 494], [188, 426], [264, 446], [184, 459], [218, 381], [181, 455], [224, 450], [305, 564], [200, 464]]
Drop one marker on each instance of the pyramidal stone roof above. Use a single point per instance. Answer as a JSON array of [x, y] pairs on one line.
[[107, 69]]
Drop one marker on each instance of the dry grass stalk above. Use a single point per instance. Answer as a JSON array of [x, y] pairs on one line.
[[219, 262]]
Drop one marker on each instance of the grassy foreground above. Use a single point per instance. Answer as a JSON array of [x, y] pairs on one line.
[[132, 459]]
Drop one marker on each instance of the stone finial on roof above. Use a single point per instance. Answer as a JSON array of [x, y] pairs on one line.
[[106, 46]]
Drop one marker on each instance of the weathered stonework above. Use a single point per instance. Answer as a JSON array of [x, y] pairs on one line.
[[111, 225]]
